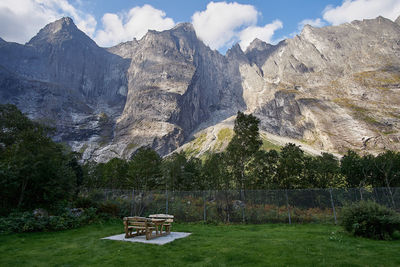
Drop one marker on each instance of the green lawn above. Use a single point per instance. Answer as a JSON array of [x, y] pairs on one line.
[[209, 245]]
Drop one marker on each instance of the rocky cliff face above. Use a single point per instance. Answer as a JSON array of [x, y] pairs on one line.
[[175, 83], [64, 79], [334, 88]]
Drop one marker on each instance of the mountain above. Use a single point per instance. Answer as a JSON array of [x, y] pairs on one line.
[[62, 78], [333, 88]]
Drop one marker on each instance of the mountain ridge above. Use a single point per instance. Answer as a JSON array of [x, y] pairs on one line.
[[323, 87]]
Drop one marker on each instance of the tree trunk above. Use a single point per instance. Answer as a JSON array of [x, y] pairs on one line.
[[21, 196], [390, 191]]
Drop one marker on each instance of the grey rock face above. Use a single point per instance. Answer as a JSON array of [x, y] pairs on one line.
[[175, 83], [334, 88], [64, 79], [343, 81]]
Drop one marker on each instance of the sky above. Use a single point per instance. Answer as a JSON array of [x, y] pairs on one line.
[[219, 24]]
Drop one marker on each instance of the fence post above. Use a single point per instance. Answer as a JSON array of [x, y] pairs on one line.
[[333, 205], [243, 205], [288, 207], [204, 206], [166, 201], [391, 198]]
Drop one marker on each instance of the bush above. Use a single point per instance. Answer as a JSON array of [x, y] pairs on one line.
[[85, 203], [19, 222], [109, 207], [371, 220]]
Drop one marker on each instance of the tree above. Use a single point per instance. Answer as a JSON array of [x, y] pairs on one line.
[[73, 163], [192, 175], [291, 167], [388, 171], [115, 173], [244, 144], [181, 173], [214, 172], [262, 170], [172, 168], [93, 175], [34, 170], [351, 166], [323, 172], [144, 171]]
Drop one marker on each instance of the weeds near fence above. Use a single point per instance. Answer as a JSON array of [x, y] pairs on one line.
[[249, 206]]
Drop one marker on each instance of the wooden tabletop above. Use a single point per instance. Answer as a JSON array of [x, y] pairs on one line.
[[157, 220], [163, 216]]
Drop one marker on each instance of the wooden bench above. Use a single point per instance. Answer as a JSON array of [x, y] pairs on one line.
[[169, 219], [136, 226]]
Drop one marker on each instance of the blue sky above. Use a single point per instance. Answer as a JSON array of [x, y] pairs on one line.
[[220, 24], [290, 12]]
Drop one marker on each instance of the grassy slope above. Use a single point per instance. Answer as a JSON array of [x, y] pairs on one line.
[[234, 245]]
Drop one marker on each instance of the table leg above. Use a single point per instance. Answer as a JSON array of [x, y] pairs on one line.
[[126, 230]]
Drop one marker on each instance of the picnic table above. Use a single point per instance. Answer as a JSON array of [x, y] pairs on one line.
[[168, 220], [137, 226]]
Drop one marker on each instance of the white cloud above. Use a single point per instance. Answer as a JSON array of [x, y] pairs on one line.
[[263, 33], [221, 22], [313, 22], [135, 23], [20, 20], [361, 9]]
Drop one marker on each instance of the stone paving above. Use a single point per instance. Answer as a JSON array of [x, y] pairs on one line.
[[142, 239]]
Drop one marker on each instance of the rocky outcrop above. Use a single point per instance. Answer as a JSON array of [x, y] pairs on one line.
[[332, 84], [62, 78], [333, 88], [175, 83], [398, 20]]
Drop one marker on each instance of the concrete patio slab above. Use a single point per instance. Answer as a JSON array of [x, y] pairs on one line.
[[142, 239]]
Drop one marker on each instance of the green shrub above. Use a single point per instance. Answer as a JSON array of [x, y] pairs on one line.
[[85, 202], [22, 222], [371, 220], [19, 222], [109, 207]]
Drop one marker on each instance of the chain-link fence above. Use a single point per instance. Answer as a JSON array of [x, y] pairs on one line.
[[250, 206]]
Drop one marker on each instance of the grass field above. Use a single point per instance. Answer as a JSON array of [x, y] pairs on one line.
[[209, 245]]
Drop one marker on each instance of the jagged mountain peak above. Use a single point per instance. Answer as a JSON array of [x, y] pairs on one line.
[[379, 22], [306, 29], [257, 44], [235, 50], [397, 20], [183, 30], [184, 26], [59, 31], [64, 22], [181, 38], [258, 51]]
